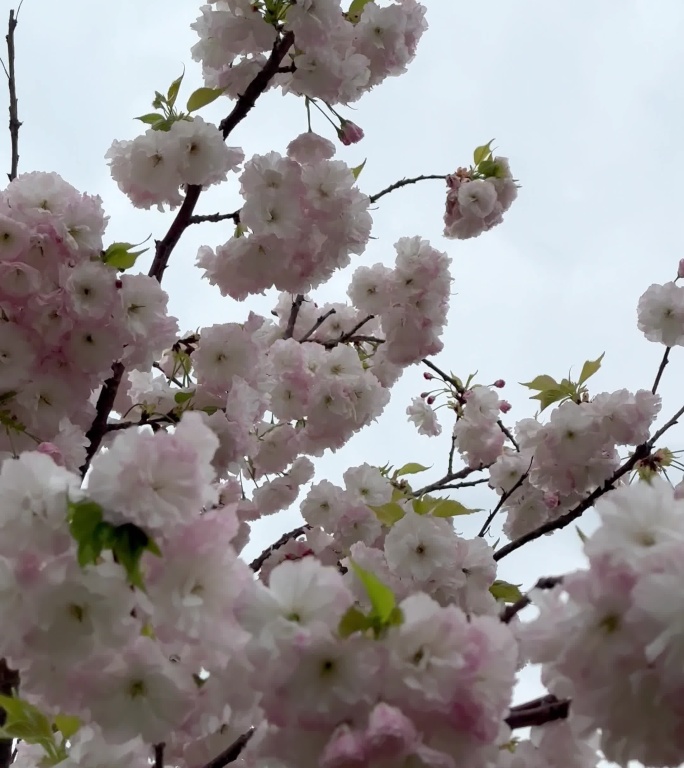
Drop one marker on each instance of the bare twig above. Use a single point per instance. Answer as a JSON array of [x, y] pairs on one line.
[[452, 450], [466, 484], [504, 498], [14, 124], [231, 754], [403, 183], [159, 755], [318, 324], [172, 379], [256, 564], [661, 368], [640, 452], [215, 218], [105, 403], [9, 682], [538, 712], [547, 582], [296, 304], [345, 337], [439, 484]]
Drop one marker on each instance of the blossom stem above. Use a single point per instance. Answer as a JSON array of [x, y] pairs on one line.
[[404, 183]]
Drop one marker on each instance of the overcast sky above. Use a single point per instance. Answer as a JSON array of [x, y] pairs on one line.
[[583, 97]]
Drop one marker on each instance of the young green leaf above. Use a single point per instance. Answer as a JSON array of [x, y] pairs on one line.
[[549, 397], [353, 621], [129, 545], [201, 97], [172, 94], [67, 725], [152, 118], [183, 397], [482, 153], [590, 368], [452, 508], [541, 382], [425, 505], [389, 513], [119, 255], [381, 597], [410, 469], [356, 172], [356, 9], [509, 593]]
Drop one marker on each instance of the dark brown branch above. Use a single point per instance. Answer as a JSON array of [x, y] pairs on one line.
[[231, 754], [439, 484], [14, 124], [9, 682], [546, 709], [215, 218], [345, 337], [661, 368], [466, 484], [256, 564], [504, 498], [153, 422], [403, 183], [105, 403], [164, 248], [296, 304], [318, 324], [547, 582], [640, 452], [159, 755]]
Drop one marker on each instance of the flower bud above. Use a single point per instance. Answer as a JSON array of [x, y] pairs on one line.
[[427, 375], [430, 400], [499, 383], [504, 406], [349, 133], [680, 268]]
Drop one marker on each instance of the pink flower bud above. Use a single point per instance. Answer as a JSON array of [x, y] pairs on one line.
[[680, 268], [51, 450], [551, 500], [499, 383], [349, 133], [430, 400], [504, 406], [427, 375]]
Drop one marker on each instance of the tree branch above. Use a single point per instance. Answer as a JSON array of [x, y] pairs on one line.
[[403, 183], [14, 124], [215, 217], [231, 754], [661, 368], [538, 712], [504, 498], [547, 582], [256, 564], [640, 452], [462, 473], [318, 324], [9, 682], [159, 755], [296, 304], [105, 403]]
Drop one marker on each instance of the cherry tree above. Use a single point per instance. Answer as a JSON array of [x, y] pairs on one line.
[[136, 457]]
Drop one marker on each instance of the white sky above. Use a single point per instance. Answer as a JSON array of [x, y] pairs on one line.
[[583, 97]]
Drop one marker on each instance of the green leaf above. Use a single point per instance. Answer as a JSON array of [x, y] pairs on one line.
[[388, 514], [425, 505], [381, 597], [159, 100], [67, 725], [452, 508], [183, 397], [482, 153], [356, 9], [172, 94], [24, 721], [590, 368], [509, 593], [201, 97], [541, 382], [353, 621], [410, 469], [88, 529], [568, 387], [549, 397], [152, 118], [583, 536], [129, 545], [356, 172], [119, 255]]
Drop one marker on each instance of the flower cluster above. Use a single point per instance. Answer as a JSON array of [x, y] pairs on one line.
[[661, 314], [475, 205], [305, 217], [623, 613], [152, 169], [66, 315], [336, 58]]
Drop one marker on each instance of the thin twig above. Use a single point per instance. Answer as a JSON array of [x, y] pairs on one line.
[[231, 754], [547, 582], [318, 324], [172, 379], [14, 124], [345, 337], [256, 564], [105, 403], [661, 368], [436, 486], [9, 682], [504, 498], [640, 452], [538, 712], [296, 304], [452, 450], [403, 183], [466, 484], [215, 218]]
